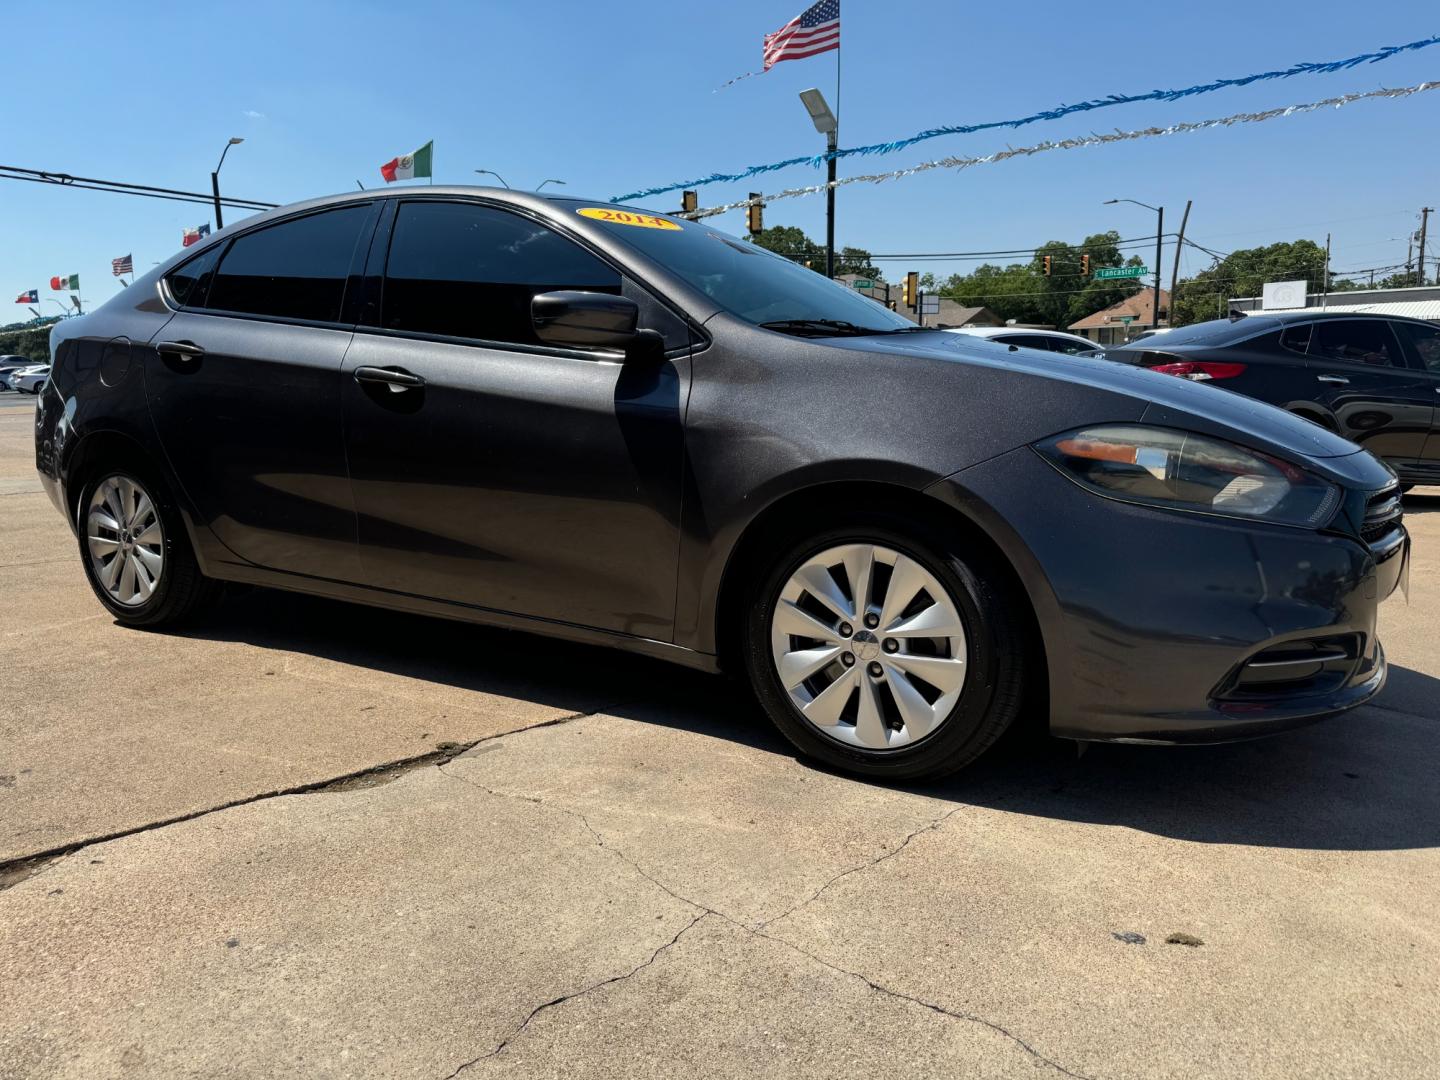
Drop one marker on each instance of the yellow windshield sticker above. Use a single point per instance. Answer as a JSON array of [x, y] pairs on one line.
[[625, 217]]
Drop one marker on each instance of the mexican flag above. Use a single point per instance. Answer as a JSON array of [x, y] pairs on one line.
[[65, 283], [408, 166]]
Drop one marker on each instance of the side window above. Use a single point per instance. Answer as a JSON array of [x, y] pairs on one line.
[[1426, 340], [1072, 348], [1355, 341], [189, 282], [1296, 338], [1024, 341], [294, 270], [461, 270]]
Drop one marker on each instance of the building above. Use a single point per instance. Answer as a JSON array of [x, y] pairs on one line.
[[1422, 302], [1115, 324]]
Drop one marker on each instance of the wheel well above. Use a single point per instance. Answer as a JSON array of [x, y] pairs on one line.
[[98, 451], [814, 508]]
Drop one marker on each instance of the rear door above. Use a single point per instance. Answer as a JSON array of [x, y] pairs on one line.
[[1424, 344], [497, 471], [1365, 381], [244, 387]]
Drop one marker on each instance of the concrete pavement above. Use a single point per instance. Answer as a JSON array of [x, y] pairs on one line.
[[518, 857]]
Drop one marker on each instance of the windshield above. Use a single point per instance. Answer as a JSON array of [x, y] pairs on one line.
[[746, 280]]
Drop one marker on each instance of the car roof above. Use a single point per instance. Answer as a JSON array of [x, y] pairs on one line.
[[1313, 316], [996, 331]]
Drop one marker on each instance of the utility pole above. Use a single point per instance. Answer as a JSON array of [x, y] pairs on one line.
[[1159, 251], [1179, 243], [1425, 213], [1325, 276]]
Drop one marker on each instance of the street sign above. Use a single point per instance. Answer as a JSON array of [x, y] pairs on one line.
[[861, 283], [1106, 273], [929, 305], [1127, 319]]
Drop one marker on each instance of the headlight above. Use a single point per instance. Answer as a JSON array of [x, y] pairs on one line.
[[1183, 471]]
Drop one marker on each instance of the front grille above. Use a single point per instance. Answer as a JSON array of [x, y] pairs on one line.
[[1383, 515]]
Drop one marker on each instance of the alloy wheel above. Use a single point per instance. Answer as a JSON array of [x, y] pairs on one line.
[[126, 540], [869, 646]]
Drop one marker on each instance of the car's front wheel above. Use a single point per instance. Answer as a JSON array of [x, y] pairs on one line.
[[882, 650], [137, 555]]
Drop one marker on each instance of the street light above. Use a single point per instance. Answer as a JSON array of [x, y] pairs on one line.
[[826, 124], [487, 172], [544, 182], [235, 140], [1159, 234]]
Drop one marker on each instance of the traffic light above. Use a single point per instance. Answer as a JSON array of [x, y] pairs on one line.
[[910, 289], [689, 201], [1085, 265], [1046, 261], [757, 213]]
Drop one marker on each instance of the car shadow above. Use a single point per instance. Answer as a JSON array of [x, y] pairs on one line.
[[1425, 500], [1362, 781]]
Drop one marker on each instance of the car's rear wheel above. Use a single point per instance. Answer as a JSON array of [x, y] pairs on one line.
[[881, 650], [137, 555]]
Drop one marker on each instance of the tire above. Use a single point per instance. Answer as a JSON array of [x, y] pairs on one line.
[[38, 387], [963, 722], [178, 590]]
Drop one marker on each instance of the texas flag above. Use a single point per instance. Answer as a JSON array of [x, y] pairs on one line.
[[192, 236], [31, 297]]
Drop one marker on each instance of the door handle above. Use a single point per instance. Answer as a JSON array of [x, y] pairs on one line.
[[396, 379], [187, 349], [1335, 380]]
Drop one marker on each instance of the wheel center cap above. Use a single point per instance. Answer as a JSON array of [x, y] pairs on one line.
[[865, 645]]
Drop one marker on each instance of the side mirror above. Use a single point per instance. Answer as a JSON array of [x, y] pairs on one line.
[[574, 319]]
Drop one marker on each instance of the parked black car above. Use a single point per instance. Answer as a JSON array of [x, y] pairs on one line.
[[607, 425], [1373, 379]]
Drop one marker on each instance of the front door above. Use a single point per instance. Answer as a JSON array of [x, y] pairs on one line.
[[492, 470], [1424, 344], [244, 386], [1378, 400]]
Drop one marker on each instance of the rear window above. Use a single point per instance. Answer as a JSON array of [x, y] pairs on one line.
[[1214, 332]]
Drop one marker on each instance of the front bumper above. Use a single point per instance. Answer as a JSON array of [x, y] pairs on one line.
[[1167, 627]]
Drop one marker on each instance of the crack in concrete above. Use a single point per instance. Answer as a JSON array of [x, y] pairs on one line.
[[756, 931], [930, 827], [563, 998], [972, 1018], [13, 871]]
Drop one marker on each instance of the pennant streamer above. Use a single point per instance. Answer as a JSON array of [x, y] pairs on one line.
[[1050, 114], [958, 163]]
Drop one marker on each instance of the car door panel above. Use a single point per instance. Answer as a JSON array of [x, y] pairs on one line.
[[542, 485], [251, 429], [1375, 397]]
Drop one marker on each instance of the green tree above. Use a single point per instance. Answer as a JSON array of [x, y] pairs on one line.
[[1244, 273], [854, 260], [790, 241]]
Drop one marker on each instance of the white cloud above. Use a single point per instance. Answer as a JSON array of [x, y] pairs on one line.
[[254, 115]]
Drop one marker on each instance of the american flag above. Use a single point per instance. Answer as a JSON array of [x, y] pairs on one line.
[[123, 265], [814, 31]]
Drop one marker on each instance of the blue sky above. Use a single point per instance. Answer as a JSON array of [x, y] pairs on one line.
[[611, 98]]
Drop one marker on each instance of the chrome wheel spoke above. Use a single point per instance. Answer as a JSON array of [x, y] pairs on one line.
[[915, 711], [901, 678], [789, 619], [150, 560], [125, 590], [826, 707], [796, 667], [103, 520], [112, 572], [143, 510], [936, 621], [943, 673], [815, 579], [870, 730]]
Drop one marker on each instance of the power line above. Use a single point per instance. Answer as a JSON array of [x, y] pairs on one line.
[[120, 187]]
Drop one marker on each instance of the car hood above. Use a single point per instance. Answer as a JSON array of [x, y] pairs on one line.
[[1170, 401]]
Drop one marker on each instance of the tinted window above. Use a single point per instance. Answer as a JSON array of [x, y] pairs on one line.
[[294, 270], [1025, 341], [1426, 340], [1218, 331], [188, 283], [1072, 348], [468, 271], [1296, 338], [1355, 341], [744, 279]]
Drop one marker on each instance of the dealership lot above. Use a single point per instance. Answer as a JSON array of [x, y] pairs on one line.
[[304, 839]]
